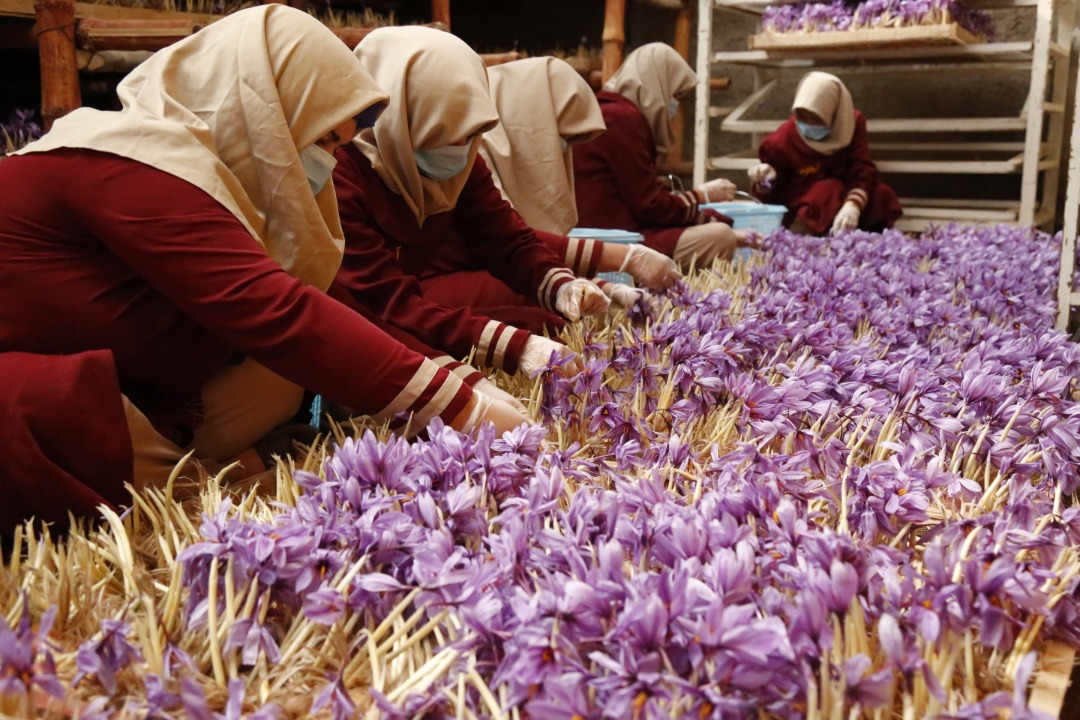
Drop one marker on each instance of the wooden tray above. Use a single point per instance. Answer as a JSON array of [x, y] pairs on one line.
[[944, 34]]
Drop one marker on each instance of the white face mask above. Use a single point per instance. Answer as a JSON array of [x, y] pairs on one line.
[[442, 163], [318, 165], [672, 107], [563, 145]]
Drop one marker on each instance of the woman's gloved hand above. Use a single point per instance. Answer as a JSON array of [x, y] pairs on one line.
[[650, 268], [762, 174], [493, 391], [748, 239], [484, 409], [536, 354], [718, 190], [623, 295], [847, 218], [579, 298]]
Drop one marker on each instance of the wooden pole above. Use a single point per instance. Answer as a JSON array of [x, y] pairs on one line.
[[55, 33], [683, 23], [614, 36], [440, 12]]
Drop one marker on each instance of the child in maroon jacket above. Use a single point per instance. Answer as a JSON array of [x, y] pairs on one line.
[[818, 165]]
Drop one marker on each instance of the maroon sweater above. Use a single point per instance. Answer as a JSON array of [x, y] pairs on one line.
[[805, 176], [387, 253], [102, 253]]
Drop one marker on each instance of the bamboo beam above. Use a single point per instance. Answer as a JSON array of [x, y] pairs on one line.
[[55, 32], [351, 36], [440, 12], [140, 34], [500, 58], [614, 36], [683, 23], [25, 8]]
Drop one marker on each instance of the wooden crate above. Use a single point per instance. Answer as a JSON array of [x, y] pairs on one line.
[[943, 34]]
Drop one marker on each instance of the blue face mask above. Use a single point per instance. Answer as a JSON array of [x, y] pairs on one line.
[[812, 132], [318, 165], [442, 163], [672, 107]]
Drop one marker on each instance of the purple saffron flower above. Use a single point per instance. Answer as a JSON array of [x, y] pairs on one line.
[[336, 697], [107, 655], [26, 659]]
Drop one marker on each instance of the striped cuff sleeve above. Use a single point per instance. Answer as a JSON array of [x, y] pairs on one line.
[[432, 392], [857, 196], [549, 287], [583, 255], [690, 199], [468, 374], [499, 345]]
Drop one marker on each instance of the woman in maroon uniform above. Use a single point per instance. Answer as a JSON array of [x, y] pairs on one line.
[[545, 107], [145, 252], [430, 245], [818, 164], [616, 179]]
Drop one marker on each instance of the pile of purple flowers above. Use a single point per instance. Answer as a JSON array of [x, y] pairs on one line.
[[807, 499], [20, 129], [838, 490], [847, 15]]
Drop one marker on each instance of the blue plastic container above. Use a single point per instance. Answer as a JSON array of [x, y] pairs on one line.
[[751, 215]]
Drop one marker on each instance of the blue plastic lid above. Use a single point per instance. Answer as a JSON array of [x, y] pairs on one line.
[[626, 237], [742, 206]]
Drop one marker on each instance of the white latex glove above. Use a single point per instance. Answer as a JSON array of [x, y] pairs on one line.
[[579, 298], [650, 268], [622, 295], [718, 190], [493, 391], [762, 173], [483, 409], [748, 239], [847, 218], [537, 352]]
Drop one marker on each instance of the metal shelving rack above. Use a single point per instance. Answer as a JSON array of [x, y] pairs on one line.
[[1044, 58], [1068, 296]]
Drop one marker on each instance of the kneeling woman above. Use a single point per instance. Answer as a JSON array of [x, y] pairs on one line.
[[545, 108], [430, 246], [144, 252], [616, 179], [818, 164]]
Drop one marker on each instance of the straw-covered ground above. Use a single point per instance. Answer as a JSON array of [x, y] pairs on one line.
[[832, 483]]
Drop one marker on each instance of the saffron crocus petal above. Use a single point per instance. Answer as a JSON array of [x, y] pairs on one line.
[[891, 639], [377, 582]]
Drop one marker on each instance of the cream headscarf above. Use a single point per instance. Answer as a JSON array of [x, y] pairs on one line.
[[228, 110], [825, 96], [438, 97], [540, 100], [650, 77]]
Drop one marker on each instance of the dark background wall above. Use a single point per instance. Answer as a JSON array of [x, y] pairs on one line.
[[530, 26]]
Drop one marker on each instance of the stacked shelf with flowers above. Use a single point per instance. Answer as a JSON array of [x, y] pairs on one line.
[[1043, 58]]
